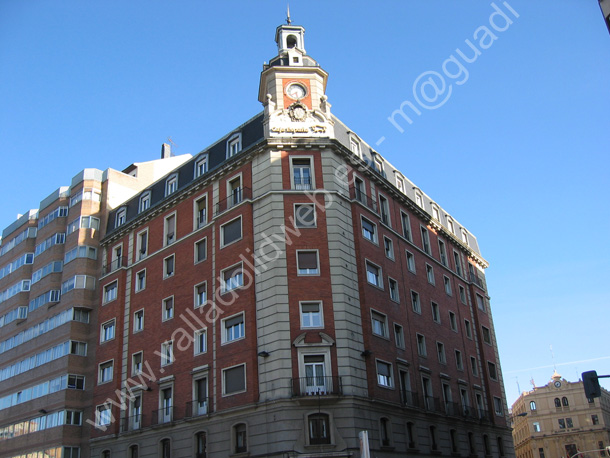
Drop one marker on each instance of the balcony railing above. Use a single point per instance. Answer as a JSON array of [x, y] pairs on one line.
[[361, 197], [475, 279], [409, 398], [236, 197], [162, 416], [198, 408], [432, 404], [316, 386], [115, 264], [132, 423], [302, 184]]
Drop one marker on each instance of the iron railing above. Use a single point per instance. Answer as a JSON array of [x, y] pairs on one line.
[[317, 386]]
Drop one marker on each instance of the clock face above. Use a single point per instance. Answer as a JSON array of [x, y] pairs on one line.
[[557, 384], [296, 91]]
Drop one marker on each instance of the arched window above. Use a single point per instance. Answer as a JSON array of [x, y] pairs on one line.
[[565, 402], [319, 429], [106, 454], [557, 402], [201, 445], [240, 438], [471, 446], [411, 435], [433, 439], [533, 405], [384, 432], [165, 448], [133, 451], [486, 444], [500, 446], [454, 442]]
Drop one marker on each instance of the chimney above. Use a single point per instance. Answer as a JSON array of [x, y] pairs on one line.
[[166, 151]]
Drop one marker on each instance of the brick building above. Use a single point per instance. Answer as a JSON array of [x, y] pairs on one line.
[[287, 288]]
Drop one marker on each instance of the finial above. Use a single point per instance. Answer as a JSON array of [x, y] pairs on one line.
[[288, 20]]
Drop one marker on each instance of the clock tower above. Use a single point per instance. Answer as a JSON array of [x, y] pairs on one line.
[[293, 89]]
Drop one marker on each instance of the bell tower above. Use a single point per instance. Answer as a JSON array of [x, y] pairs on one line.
[[293, 88]]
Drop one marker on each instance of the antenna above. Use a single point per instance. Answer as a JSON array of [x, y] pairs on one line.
[[518, 387], [288, 20], [169, 139], [553, 358]]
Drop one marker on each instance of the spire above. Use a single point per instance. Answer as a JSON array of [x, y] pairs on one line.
[[288, 20]]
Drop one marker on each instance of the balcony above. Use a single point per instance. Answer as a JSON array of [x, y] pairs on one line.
[[132, 423], [302, 184], [115, 264], [432, 404], [317, 386], [409, 398], [236, 197], [163, 416], [476, 280], [365, 200], [198, 408]]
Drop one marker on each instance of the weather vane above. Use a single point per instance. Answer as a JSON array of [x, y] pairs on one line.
[[288, 20]]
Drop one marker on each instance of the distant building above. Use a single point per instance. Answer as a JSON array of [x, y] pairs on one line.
[[605, 7], [560, 421]]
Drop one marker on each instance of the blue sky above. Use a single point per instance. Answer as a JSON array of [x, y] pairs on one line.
[[518, 152]]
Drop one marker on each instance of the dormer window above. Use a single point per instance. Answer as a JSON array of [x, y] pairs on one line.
[[121, 216], [201, 166], [171, 185], [419, 200], [354, 145], [233, 145], [144, 201]]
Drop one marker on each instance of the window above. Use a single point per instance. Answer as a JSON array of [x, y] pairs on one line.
[[468, 328], [200, 341], [562, 423], [425, 240], [415, 302], [138, 320], [201, 166], [133, 451], [384, 374], [234, 192], [234, 328], [73, 417], [411, 435], [304, 215], [201, 294], [241, 439], [419, 200], [232, 278], [201, 212], [498, 406], [165, 447], [464, 237], [447, 284], [234, 380], [393, 287], [410, 262], [140, 280], [369, 230], [458, 264], [443, 252], [144, 202], [564, 402], [399, 336], [430, 274], [233, 145], [436, 315], [433, 438], [166, 400], [421, 345], [359, 190], [136, 363], [168, 266], [230, 232], [201, 445], [373, 275], [105, 372], [142, 245], [311, 315], [301, 174], [453, 321], [354, 146], [533, 406], [536, 426], [307, 263], [492, 370], [462, 291], [400, 184], [569, 423], [171, 185], [120, 217], [388, 247], [440, 351], [170, 229], [385, 210], [200, 395], [486, 335], [379, 324], [107, 331], [167, 353], [103, 417], [406, 226], [459, 362], [319, 429], [201, 248], [110, 291], [168, 308], [595, 419], [557, 402]]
